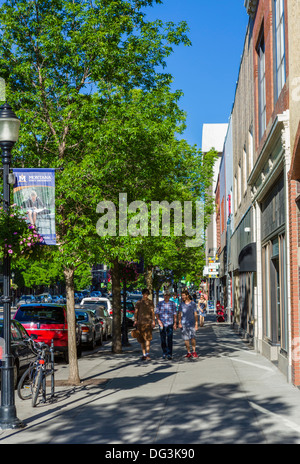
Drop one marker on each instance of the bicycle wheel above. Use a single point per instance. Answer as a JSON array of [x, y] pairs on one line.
[[36, 387], [25, 384]]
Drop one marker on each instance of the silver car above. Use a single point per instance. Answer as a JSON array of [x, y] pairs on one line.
[[91, 328], [106, 320]]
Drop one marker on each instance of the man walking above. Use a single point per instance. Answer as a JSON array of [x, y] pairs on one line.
[[166, 315], [188, 323]]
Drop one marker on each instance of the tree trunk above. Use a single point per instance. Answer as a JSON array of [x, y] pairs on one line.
[[116, 304], [149, 281], [74, 378], [157, 294], [124, 321]]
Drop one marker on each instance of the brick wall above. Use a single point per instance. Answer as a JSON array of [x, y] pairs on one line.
[[264, 22], [294, 219]]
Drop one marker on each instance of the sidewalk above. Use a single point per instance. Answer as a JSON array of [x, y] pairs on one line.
[[230, 394]]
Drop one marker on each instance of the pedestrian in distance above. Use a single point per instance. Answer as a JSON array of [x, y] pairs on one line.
[[144, 321], [166, 315], [202, 304], [188, 323], [175, 299]]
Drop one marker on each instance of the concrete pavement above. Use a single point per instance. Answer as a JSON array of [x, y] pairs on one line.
[[229, 395]]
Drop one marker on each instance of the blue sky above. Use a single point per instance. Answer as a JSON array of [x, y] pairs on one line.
[[207, 71]]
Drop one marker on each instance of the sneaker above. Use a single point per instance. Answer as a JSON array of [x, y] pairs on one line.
[[147, 358], [188, 355], [194, 354], [143, 358], [169, 357]]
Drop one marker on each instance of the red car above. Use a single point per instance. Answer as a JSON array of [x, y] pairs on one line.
[[48, 321]]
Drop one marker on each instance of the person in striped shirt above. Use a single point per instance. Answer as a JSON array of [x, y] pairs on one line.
[[166, 315]]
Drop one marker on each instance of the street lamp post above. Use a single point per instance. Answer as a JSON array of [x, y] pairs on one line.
[[9, 132]]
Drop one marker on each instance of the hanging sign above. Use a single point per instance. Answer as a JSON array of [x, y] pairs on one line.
[[34, 192]]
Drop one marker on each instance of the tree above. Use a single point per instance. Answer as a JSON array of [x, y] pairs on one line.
[[65, 63], [172, 251]]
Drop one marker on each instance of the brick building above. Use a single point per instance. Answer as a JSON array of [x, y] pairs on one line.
[[265, 186], [243, 246], [274, 180], [294, 182], [269, 180]]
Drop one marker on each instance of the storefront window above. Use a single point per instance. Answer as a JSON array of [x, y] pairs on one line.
[[274, 291]]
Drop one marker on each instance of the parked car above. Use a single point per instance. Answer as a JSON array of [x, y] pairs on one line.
[[48, 321], [26, 299], [94, 300], [57, 299], [85, 293], [43, 298], [96, 293], [129, 312], [105, 318], [91, 327], [78, 297], [20, 350], [135, 296]]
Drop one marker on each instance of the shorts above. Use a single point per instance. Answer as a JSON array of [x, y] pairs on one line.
[[188, 332], [145, 333]]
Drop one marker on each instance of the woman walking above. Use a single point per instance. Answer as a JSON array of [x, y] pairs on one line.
[[144, 320], [202, 309]]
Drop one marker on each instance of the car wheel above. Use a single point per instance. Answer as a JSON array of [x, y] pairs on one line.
[[92, 344], [79, 351], [105, 335], [100, 341]]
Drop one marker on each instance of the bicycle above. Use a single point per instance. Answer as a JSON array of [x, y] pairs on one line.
[[33, 381]]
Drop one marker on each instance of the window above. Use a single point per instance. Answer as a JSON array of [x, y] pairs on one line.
[[279, 32], [261, 86], [222, 216], [275, 308], [266, 291], [250, 149], [245, 170], [239, 184], [235, 194]]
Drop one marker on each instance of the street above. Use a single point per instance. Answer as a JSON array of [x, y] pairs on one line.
[[229, 395]]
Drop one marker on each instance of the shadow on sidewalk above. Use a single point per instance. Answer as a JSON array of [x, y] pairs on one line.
[[200, 411]]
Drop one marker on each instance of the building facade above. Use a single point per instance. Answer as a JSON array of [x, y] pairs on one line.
[[269, 180], [293, 15], [243, 243], [262, 181], [213, 136]]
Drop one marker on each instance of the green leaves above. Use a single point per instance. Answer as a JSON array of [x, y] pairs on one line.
[[83, 78]]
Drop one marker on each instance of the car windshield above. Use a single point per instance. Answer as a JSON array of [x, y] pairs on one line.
[[95, 302], [37, 314], [98, 310], [82, 316]]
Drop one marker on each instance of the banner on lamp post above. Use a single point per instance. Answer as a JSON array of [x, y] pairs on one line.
[[34, 193]]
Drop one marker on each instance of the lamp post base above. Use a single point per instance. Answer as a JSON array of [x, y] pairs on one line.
[[8, 418]]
